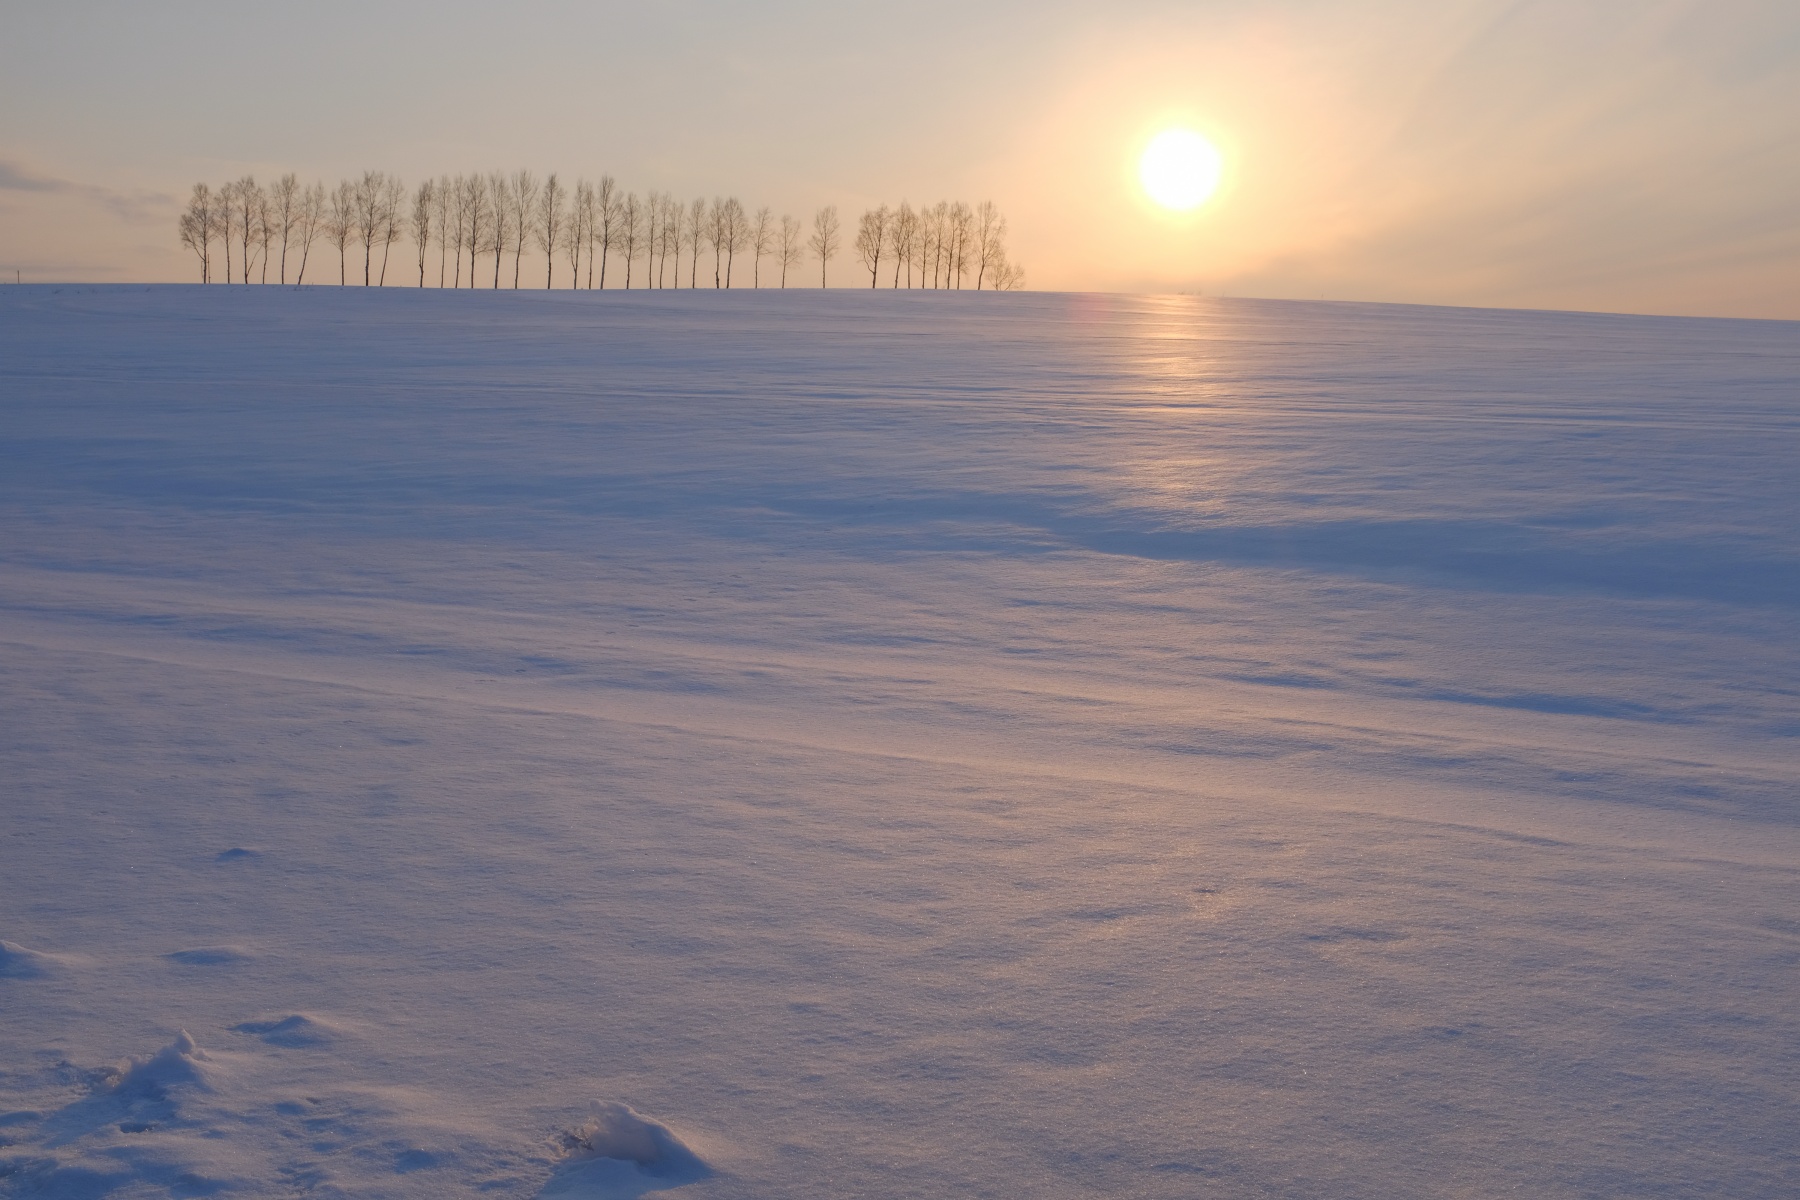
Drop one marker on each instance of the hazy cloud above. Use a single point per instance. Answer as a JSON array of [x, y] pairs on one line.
[[127, 204]]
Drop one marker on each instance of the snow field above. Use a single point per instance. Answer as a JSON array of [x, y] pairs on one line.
[[825, 745]]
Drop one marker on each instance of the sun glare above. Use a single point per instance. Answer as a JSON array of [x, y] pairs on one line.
[[1180, 169]]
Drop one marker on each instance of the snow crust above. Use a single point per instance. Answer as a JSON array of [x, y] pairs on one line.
[[830, 745]]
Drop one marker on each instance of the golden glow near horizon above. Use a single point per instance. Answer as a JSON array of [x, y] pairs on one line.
[[1180, 169]]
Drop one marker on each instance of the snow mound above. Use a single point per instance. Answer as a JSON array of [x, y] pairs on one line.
[[182, 1063], [619, 1153], [20, 962], [294, 1031]]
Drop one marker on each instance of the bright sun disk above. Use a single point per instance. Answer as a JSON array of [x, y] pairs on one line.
[[1180, 169]]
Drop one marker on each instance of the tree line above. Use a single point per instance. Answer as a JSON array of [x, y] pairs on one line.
[[242, 232]]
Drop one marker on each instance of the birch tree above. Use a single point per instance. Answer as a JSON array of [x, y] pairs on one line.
[[693, 232], [477, 212], [580, 213], [196, 228], [606, 195], [990, 240], [904, 231], [962, 225], [550, 224], [631, 231], [393, 220], [423, 217], [665, 218], [284, 213], [223, 205], [368, 217], [788, 246], [524, 201], [762, 240], [441, 208], [340, 224], [312, 223], [825, 240], [656, 215], [871, 240], [501, 226], [457, 230], [265, 232], [250, 205], [737, 233]]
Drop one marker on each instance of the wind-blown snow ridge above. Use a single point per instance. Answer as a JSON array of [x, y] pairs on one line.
[[22, 962]]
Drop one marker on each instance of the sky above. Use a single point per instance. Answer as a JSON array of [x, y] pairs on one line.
[[1615, 155]]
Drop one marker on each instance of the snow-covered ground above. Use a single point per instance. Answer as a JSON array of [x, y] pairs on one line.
[[899, 745]]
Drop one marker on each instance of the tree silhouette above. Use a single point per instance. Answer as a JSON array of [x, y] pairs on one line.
[[825, 241], [762, 240], [788, 246], [340, 224], [871, 240], [196, 228], [940, 246]]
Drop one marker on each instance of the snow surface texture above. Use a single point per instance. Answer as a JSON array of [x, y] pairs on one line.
[[841, 745]]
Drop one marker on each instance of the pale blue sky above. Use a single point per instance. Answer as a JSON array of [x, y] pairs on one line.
[[1622, 154]]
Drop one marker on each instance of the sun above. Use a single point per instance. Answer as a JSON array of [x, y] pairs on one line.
[[1180, 169]]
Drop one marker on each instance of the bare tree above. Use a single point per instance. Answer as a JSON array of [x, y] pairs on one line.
[[737, 233], [224, 205], [197, 228], [424, 206], [672, 241], [249, 213], [476, 214], [265, 231], [340, 224], [284, 214], [693, 232], [825, 240], [501, 228], [655, 213], [1008, 276], [442, 207], [631, 231], [990, 240], [523, 203], [871, 240], [368, 217], [939, 225], [549, 224], [393, 220], [608, 201], [458, 227], [904, 231], [962, 235], [580, 213], [312, 223], [788, 247], [665, 220], [762, 240]]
